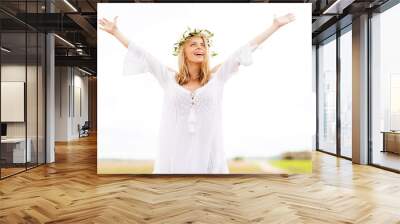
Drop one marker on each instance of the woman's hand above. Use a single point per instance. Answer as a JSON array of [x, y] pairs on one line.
[[108, 26], [278, 22], [283, 20], [111, 28]]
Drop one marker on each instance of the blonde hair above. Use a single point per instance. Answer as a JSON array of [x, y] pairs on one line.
[[183, 76]]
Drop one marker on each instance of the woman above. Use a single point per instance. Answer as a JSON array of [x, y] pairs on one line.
[[191, 129]]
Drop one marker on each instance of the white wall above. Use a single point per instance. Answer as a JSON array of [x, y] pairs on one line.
[[15, 72], [80, 83], [33, 127], [68, 81], [61, 103]]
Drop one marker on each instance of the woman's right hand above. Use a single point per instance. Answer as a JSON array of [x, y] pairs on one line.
[[108, 26], [283, 20]]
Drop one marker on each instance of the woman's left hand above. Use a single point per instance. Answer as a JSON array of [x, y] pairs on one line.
[[283, 20]]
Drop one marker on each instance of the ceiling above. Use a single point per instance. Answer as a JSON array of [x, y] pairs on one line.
[[76, 23]]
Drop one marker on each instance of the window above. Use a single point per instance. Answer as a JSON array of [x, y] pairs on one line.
[[385, 89], [327, 96], [23, 74], [346, 93]]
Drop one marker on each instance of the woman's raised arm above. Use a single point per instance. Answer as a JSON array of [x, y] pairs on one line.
[[243, 56], [137, 60], [111, 28], [277, 23]]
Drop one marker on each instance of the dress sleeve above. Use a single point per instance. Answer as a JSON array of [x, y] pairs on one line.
[[137, 61], [242, 56]]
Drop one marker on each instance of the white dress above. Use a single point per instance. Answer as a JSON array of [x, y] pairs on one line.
[[191, 130]]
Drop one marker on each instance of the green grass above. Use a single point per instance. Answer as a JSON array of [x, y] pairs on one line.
[[293, 166], [235, 166]]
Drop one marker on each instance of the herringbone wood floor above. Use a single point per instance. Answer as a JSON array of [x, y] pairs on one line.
[[70, 191]]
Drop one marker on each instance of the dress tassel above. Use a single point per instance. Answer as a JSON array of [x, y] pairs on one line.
[[192, 120]]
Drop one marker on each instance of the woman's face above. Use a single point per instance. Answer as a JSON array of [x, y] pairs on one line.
[[195, 50]]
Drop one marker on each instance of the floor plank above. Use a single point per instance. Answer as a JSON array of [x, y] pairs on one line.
[[70, 191]]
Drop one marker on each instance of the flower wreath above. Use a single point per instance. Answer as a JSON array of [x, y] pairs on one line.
[[191, 33]]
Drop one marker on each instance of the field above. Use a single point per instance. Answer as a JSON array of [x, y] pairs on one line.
[[242, 166]]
